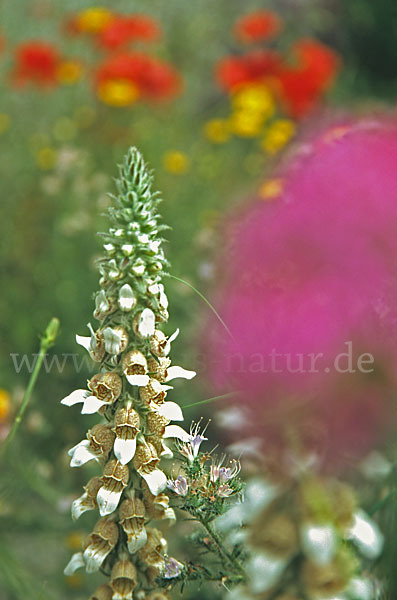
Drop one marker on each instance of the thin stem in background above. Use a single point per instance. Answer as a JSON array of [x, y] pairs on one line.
[[46, 342]]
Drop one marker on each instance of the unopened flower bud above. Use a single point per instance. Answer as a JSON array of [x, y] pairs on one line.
[[127, 299], [123, 580]]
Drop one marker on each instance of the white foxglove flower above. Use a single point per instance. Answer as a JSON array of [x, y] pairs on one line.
[[366, 535], [263, 571], [361, 589], [319, 542], [82, 453], [91, 404]]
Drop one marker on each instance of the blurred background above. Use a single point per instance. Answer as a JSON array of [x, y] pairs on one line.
[[212, 93]]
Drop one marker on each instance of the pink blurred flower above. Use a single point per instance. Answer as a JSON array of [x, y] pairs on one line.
[[314, 273]]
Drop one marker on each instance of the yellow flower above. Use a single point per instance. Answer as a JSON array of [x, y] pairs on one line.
[[46, 158], [175, 162], [5, 405], [277, 135], [5, 122], [69, 71], [94, 19], [246, 123], [255, 98], [217, 130], [118, 92], [271, 189]]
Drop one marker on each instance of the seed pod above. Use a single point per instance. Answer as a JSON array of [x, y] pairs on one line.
[[146, 459], [126, 427], [158, 368], [132, 519], [115, 478], [100, 543], [123, 580], [101, 439], [156, 424], [157, 507], [153, 392], [106, 386], [153, 551]]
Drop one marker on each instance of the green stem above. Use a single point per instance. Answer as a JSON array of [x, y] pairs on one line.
[[228, 395], [46, 342], [218, 316], [222, 550]]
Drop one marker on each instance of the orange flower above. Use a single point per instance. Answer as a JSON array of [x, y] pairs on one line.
[[233, 71], [302, 85], [153, 79], [257, 26], [122, 30], [36, 62]]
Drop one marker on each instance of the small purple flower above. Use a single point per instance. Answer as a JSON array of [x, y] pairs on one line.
[[172, 567], [224, 491], [178, 485]]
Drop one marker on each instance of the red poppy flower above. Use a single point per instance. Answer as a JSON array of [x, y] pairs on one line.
[[257, 26], [36, 62], [122, 30], [155, 79], [233, 71], [301, 85]]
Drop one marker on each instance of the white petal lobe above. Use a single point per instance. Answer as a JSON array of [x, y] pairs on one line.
[[156, 480], [91, 405], [107, 501], [84, 341], [76, 562], [124, 450], [176, 372], [136, 542], [174, 431], [140, 380], [171, 411], [75, 397]]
